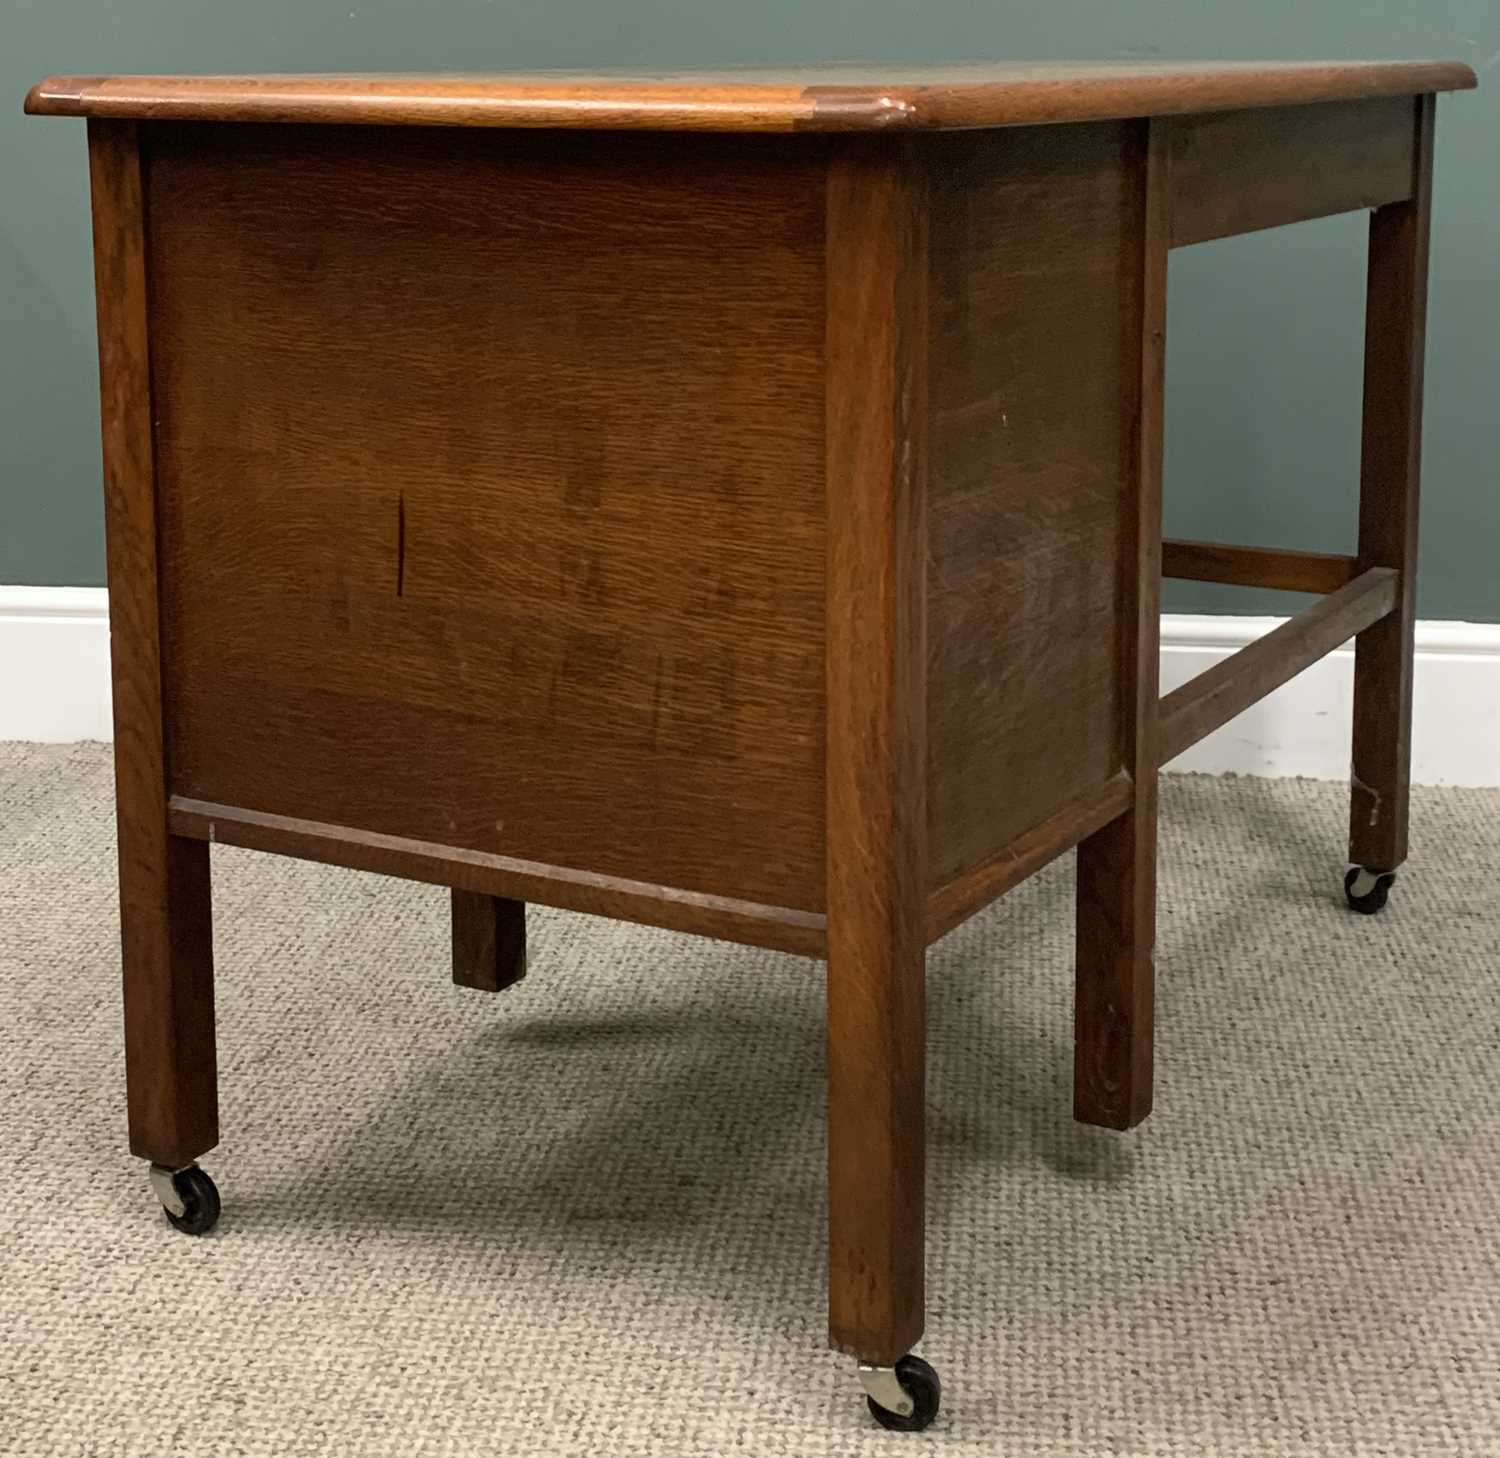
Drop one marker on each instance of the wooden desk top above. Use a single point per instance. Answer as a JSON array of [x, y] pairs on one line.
[[863, 97]]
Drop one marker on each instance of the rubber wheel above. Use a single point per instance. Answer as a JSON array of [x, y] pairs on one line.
[[200, 1202], [921, 1383], [1373, 900]]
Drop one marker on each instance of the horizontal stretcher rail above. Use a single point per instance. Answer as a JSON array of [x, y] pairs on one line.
[[1257, 566], [1215, 697], [1074, 821], [781, 928]]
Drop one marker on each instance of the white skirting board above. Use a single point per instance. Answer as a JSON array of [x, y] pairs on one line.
[[54, 687]]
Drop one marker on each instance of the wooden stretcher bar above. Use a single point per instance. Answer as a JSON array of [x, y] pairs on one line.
[[1228, 688]]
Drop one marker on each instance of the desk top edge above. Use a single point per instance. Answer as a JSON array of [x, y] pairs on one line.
[[863, 97]]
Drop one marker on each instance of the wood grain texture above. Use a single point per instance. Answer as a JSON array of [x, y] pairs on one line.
[[1390, 477], [489, 941], [782, 928], [492, 506], [1240, 171], [1277, 567], [1215, 696], [165, 910], [876, 475], [1031, 436], [814, 98], [1116, 901], [1027, 854]]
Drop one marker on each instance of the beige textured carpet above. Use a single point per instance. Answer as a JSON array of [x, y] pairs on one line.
[[586, 1217]]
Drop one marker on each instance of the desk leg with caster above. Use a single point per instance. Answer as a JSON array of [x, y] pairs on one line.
[[876, 770], [166, 917], [1395, 331]]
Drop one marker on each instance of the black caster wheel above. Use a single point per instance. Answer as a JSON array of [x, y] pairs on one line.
[[920, 1382], [1368, 891], [189, 1199]]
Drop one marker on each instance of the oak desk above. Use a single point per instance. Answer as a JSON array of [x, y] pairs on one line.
[[727, 501]]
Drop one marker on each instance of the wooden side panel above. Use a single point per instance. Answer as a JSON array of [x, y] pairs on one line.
[[1034, 355], [1239, 171], [491, 492]]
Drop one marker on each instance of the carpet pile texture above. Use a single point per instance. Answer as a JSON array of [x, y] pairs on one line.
[[586, 1216]]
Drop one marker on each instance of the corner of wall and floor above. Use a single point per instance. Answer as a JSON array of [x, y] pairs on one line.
[[54, 668]]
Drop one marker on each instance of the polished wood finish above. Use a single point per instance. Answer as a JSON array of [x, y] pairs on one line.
[[166, 917], [489, 941], [1257, 566], [439, 574], [835, 98], [1027, 854], [1390, 474], [875, 472], [1116, 900], [1204, 703], [1031, 435], [1240, 171], [757, 536], [782, 928]]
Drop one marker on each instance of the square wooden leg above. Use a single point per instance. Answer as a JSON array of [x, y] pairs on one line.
[[1116, 980], [1395, 328], [167, 942], [876, 750], [1116, 915], [166, 914], [489, 941]]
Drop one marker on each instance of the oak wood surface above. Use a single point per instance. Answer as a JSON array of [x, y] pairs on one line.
[[1116, 873], [491, 497], [1215, 696], [876, 479], [1240, 171], [1390, 478], [1274, 567], [814, 98], [1031, 435], [165, 909], [1027, 854], [781, 927], [489, 941]]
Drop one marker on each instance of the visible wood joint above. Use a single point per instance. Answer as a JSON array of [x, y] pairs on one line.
[[1214, 697], [1236, 566], [1025, 856]]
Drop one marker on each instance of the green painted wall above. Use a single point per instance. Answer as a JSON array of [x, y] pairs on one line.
[[1263, 374]]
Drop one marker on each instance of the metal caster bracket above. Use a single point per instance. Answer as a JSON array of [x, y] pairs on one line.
[[164, 1189], [885, 1387]]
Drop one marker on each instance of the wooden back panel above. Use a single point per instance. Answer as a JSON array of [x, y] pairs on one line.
[[1034, 248], [490, 491]]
